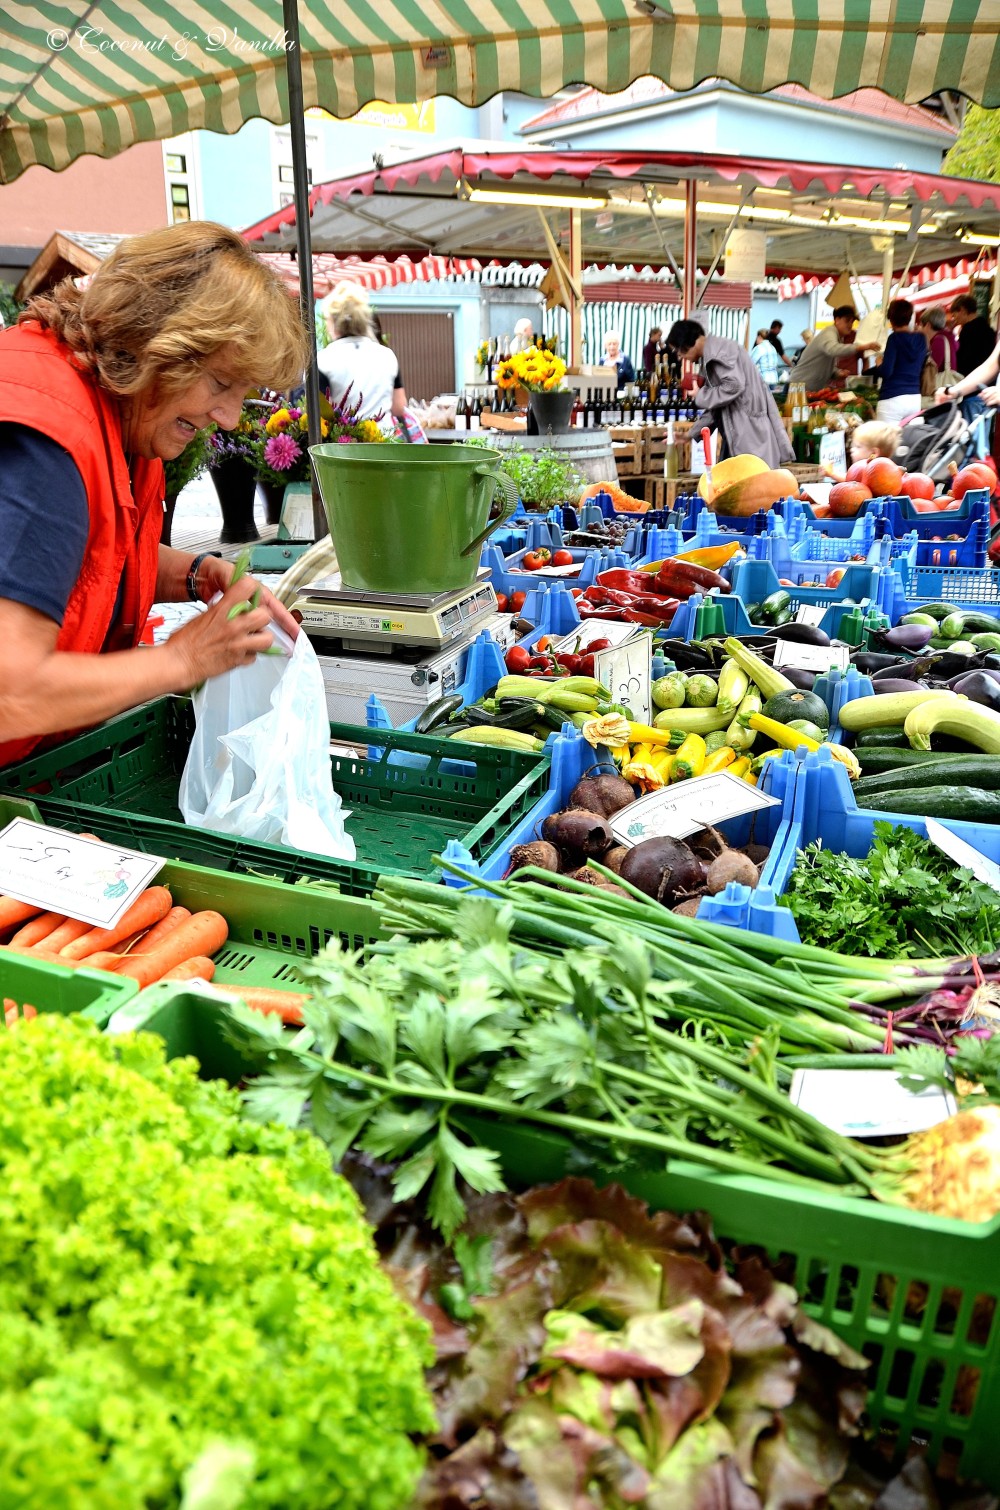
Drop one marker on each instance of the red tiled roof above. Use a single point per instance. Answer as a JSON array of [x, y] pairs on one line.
[[872, 104]]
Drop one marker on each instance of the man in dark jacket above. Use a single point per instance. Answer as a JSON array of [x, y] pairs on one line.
[[975, 335]]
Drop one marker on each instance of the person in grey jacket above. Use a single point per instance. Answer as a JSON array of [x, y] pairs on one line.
[[736, 399]]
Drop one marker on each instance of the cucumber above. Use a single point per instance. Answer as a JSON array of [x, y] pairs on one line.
[[875, 759], [967, 803], [438, 712], [885, 736], [981, 771], [985, 641], [962, 647], [937, 611], [918, 618], [974, 622], [775, 604]]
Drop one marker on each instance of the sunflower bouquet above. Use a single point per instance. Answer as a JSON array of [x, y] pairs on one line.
[[537, 370]]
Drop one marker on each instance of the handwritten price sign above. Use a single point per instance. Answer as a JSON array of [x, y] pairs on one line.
[[60, 872], [627, 670]]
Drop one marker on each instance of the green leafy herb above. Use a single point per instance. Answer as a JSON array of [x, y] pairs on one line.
[[905, 898], [191, 1309]]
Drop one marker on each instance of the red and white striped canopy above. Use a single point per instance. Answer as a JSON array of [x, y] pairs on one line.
[[930, 285], [371, 273]]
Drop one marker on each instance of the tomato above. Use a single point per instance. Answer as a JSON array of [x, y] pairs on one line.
[[536, 559], [562, 558], [515, 601], [834, 577], [501, 602], [517, 659]]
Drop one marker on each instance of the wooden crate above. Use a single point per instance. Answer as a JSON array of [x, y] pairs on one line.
[[804, 471], [627, 442], [656, 444], [658, 492]]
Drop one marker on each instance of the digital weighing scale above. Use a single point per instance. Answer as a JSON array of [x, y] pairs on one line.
[[410, 649], [378, 623]]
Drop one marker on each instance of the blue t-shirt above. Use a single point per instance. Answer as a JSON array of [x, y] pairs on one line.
[[903, 364], [44, 520]]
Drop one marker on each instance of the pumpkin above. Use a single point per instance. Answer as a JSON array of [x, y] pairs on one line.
[[623, 503]]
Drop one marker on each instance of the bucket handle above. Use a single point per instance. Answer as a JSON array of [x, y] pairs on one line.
[[501, 483]]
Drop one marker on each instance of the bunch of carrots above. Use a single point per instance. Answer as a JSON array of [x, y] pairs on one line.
[[153, 941]]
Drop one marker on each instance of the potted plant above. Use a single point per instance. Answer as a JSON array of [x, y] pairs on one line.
[[180, 471], [543, 478], [540, 373]]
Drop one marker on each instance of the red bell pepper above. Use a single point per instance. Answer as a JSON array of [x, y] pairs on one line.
[[680, 579], [618, 579], [651, 620]]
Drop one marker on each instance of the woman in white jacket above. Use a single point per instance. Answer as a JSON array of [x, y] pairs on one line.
[[358, 369]]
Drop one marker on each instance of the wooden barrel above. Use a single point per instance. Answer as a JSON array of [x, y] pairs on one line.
[[590, 451]]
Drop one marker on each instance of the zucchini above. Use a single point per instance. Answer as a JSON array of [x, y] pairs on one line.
[[985, 641], [894, 708], [982, 771], [974, 622], [783, 616], [881, 737], [968, 803], [438, 712], [875, 759], [959, 717]]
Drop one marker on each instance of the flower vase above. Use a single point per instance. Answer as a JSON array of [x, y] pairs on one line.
[[235, 482], [550, 413], [274, 496]]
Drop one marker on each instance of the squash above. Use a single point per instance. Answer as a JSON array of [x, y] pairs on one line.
[[790, 707], [622, 502]]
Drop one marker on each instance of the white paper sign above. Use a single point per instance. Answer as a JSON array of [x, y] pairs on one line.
[[868, 1103], [811, 657], [549, 571], [682, 809], [963, 854], [811, 613], [746, 256], [61, 872], [596, 629], [698, 450], [297, 513], [832, 451], [627, 671]]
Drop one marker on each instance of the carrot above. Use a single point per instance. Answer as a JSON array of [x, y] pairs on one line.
[[13, 1013], [203, 934], [199, 967], [160, 930], [104, 959], [13, 914], [71, 929], [153, 904], [287, 1004], [38, 929], [38, 953]]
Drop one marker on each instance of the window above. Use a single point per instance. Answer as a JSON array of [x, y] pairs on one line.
[[180, 202], [286, 174], [176, 162], [285, 199]]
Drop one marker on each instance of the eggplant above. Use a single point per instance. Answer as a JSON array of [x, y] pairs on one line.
[[801, 634], [902, 669], [912, 637], [990, 661], [939, 666], [804, 681], [979, 687], [685, 656], [870, 661], [891, 684]]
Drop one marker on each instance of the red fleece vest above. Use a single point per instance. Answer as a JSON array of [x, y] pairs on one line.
[[40, 386]]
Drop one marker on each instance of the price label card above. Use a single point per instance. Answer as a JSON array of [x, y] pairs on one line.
[[963, 854], [698, 450], [549, 571], [676, 811], [810, 613], [832, 450], [811, 657], [596, 629], [869, 1103], [60, 872], [627, 671]]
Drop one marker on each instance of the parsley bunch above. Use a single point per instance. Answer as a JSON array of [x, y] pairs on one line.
[[191, 1311], [906, 898]]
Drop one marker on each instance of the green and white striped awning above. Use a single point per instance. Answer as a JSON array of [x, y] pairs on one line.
[[93, 76]]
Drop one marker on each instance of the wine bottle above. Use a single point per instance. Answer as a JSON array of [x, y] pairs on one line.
[[474, 412], [461, 413], [671, 467]]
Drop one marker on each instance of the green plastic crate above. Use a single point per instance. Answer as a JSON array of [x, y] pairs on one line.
[[54, 988], [121, 780], [916, 1294]]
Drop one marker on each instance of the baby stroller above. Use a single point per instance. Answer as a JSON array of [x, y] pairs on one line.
[[934, 439]]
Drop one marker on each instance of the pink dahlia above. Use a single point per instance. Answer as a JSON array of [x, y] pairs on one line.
[[281, 452]]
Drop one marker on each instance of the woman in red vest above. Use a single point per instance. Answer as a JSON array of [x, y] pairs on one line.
[[98, 387]]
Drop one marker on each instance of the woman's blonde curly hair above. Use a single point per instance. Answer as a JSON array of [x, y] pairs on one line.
[[164, 303]]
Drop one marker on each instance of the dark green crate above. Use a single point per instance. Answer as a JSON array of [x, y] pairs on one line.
[[121, 781], [56, 988], [918, 1295]]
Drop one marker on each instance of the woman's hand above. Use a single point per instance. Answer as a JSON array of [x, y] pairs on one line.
[[942, 396], [212, 642], [215, 575], [990, 397]]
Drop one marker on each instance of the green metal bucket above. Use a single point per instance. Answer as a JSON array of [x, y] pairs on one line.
[[410, 518]]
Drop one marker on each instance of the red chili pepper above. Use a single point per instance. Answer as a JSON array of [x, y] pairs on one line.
[[619, 579], [682, 578], [635, 616], [599, 611], [607, 595]]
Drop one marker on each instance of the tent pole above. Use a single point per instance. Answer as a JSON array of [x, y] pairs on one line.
[[576, 287], [690, 302], [303, 231]]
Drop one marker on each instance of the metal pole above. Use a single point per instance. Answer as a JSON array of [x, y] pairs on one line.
[[303, 232], [576, 282], [690, 247], [722, 246]]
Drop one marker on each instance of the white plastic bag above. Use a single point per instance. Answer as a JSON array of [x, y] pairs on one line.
[[259, 762]]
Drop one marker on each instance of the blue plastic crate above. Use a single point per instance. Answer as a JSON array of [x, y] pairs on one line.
[[508, 576], [966, 586], [718, 613]]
